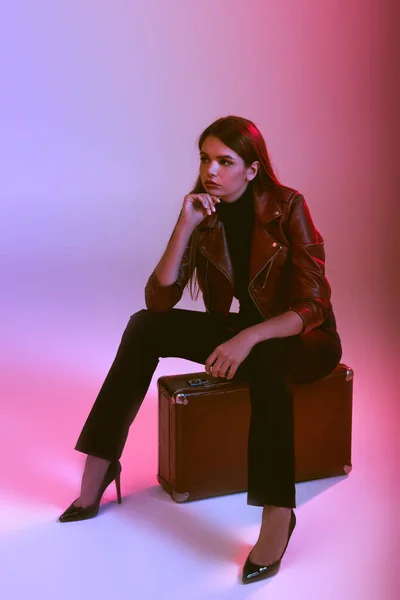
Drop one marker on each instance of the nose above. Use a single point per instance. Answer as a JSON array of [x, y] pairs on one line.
[[212, 172]]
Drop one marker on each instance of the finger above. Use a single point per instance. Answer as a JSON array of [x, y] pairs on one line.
[[206, 205], [216, 368], [210, 361], [215, 200], [200, 198], [211, 203], [232, 372], [225, 369]]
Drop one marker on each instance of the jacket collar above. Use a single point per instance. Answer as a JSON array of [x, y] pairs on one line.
[[266, 209]]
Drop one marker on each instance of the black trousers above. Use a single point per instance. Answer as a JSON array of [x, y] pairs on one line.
[[271, 367]]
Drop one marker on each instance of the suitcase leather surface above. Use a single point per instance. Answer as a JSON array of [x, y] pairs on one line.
[[203, 425]]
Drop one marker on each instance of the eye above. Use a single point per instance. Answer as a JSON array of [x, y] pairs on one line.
[[224, 161]]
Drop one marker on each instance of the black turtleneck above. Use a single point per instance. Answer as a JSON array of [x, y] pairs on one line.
[[238, 221]]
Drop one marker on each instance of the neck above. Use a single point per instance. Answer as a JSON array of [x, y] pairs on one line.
[[236, 195]]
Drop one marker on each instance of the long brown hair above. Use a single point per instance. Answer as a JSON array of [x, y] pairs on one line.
[[244, 138]]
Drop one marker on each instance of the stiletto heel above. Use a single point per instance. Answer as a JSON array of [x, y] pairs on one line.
[[253, 572], [79, 513], [118, 487]]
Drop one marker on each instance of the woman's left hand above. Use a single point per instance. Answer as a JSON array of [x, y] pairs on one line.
[[227, 357]]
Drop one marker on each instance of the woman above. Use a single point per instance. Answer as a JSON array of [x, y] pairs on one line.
[[240, 233]]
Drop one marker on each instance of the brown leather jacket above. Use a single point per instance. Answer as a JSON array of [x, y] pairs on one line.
[[287, 264]]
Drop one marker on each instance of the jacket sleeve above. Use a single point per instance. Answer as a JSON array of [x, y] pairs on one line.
[[162, 298], [310, 287]]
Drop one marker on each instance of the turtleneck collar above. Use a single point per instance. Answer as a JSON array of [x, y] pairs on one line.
[[243, 204]]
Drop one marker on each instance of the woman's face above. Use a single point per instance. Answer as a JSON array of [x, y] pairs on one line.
[[225, 168]]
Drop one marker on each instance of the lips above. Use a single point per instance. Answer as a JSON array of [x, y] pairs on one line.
[[212, 183]]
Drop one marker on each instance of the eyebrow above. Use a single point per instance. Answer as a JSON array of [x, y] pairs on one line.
[[221, 156]]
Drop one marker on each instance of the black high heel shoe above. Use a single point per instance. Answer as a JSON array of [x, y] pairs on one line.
[[253, 572], [79, 513]]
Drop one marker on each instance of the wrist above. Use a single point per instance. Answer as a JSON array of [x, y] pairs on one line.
[[185, 226], [254, 335]]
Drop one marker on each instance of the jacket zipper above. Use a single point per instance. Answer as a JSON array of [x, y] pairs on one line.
[[271, 260]]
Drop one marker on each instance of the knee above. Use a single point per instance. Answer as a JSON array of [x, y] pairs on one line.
[[270, 355], [138, 323], [139, 317], [271, 349]]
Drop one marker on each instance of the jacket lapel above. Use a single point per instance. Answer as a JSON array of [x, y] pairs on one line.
[[213, 244], [264, 246]]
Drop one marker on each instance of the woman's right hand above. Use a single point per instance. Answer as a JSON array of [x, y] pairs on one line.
[[196, 207]]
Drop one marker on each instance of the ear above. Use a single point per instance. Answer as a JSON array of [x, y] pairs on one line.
[[253, 170]]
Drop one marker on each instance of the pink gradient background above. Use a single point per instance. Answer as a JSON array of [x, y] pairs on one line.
[[101, 106]]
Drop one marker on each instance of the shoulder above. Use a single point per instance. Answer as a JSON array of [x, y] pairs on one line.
[[284, 193], [287, 199]]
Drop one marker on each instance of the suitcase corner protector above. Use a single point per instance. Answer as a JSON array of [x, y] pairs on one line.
[[179, 399], [347, 469], [180, 497], [349, 374]]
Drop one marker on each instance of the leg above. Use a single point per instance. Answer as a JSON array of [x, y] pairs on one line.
[[148, 336], [273, 368], [271, 433]]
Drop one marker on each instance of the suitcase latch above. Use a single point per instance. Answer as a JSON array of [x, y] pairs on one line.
[[204, 382]]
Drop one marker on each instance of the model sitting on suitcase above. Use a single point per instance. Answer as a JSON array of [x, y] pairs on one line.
[[240, 233]]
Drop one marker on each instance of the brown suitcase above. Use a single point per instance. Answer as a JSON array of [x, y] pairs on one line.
[[203, 428]]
